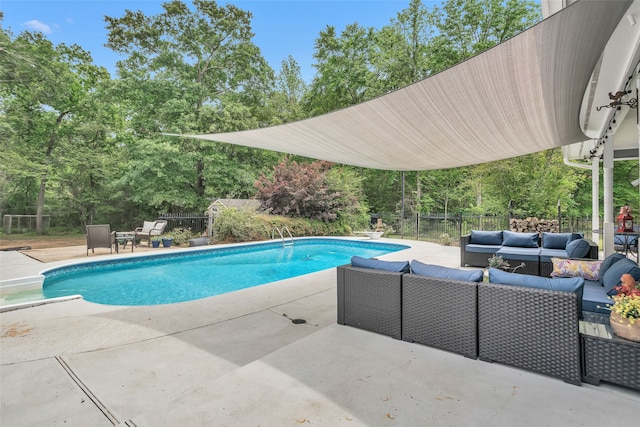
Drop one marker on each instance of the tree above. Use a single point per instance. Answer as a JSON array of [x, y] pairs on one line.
[[461, 29], [47, 100], [192, 71], [402, 48], [464, 28], [289, 92], [530, 185], [345, 73]]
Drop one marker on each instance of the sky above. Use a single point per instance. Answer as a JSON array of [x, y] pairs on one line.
[[281, 27]]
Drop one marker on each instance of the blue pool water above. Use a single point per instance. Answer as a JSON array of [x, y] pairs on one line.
[[186, 276]]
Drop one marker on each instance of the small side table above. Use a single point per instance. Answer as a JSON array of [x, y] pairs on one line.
[[607, 357], [629, 242], [126, 237]]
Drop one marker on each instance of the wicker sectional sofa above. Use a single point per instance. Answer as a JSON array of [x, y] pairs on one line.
[[529, 328], [533, 249], [370, 299]]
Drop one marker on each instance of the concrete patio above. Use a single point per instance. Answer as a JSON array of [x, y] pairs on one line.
[[238, 360]]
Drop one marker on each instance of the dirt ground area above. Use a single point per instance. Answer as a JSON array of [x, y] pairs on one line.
[[17, 241]]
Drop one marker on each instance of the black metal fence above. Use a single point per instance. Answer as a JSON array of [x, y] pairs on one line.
[[438, 228], [197, 223], [447, 230]]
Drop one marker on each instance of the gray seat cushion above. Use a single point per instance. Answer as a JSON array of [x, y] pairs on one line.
[[484, 249], [520, 254], [393, 266], [595, 298], [431, 270], [558, 240], [481, 237], [547, 254], [520, 240]]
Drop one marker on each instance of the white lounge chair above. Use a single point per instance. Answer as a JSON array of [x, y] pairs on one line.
[[150, 229]]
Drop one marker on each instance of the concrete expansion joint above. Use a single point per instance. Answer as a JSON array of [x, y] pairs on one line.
[[111, 415]]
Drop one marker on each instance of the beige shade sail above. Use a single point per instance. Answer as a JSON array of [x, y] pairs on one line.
[[520, 97]]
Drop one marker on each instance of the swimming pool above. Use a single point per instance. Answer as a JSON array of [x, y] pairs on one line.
[[186, 276]]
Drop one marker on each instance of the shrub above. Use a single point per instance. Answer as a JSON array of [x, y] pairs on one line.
[[316, 190], [180, 236], [233, 225]]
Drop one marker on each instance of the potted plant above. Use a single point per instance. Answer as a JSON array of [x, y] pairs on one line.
[[155, 241], [625, 311], [167, 240], [497, 261]]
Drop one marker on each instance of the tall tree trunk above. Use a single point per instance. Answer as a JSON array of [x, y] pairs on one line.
[[40, 205], [43, 178], [200, 183]]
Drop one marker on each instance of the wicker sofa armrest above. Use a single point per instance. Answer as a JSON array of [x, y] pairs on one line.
[[533, 329], [428, 318], [594, 251], [370, 299], [464, 241]]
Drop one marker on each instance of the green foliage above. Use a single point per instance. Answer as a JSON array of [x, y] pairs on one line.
[[351, 206], [286, 100], [233, 225], [192, 71], [464, 28], [531, 184], [402, 48], [56, 131], [345, 73], [624, 173], [180, 236], [383, 189]]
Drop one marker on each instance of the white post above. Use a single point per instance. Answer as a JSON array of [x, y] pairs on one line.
[[638, 127], [608, 226], [595, 199]]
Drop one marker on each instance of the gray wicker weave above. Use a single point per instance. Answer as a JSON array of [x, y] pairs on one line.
[[613, 360], [370, 299], [529, 328], [428, 317]]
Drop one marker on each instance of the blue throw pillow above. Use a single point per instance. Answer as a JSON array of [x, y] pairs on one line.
[[556, 240], [573, 284], [441, 272], [608, 262], [486, 237], [613, 274], [395, 266], [578, 248], [520, 240]]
